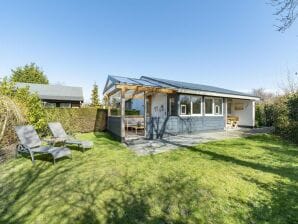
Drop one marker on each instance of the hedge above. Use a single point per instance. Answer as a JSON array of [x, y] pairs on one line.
[[78, 119], [282, 114], [117, 111]]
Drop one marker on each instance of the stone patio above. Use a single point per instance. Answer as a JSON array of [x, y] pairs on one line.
[[143, 147]]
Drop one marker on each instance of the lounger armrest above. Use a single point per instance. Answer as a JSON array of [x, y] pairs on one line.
[[71, 137], [23, 148], [53, 141]]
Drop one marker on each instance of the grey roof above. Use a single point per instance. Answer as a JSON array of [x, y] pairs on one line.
[[54, 92], [165, 83], [193, 86], [134, 81]]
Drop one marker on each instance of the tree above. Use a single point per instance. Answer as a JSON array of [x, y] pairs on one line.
[[95, 96], [28, 103], [286, 11], [29, 73], [290, 85], [263, 94]]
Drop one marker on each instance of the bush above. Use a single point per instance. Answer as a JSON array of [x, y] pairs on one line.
[[29, 103], [286, 118], [282, 113], [269, 114], [264, 114], [293, 106], [78, 119], [260, 115], [117, 112]]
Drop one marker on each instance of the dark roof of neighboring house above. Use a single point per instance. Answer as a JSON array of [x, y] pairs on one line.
[[165, 83], [54, 92]]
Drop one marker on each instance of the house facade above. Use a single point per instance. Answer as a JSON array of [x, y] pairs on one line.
[[172, 107], [54, 96]]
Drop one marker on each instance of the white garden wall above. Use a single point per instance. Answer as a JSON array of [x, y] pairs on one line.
[[247, 115], [159, 105]]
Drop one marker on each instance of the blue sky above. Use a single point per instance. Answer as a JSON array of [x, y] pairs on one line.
[[231, 44]]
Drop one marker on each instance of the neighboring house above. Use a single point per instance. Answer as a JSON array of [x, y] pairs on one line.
[[56, 95], [174, 107]]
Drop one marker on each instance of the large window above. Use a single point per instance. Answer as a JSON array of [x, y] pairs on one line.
[[190, 105], [172, 106], [213, 106], [218, 106], [115, 104], [208, 105], [49, 105], [185, 105], [65, 105], [196, 104]]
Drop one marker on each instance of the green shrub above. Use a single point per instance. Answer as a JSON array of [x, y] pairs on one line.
[[264, 114], [29, 103], [117, 112], [269, 114], [132, 112], [282, 113], [293, 106], [78, 119], [285, 117], [260, 115]]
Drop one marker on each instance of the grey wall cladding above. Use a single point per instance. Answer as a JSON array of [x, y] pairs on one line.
[[114, 125], [157, 127]]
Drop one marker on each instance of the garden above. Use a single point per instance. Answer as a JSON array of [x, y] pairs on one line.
[[245, 180]]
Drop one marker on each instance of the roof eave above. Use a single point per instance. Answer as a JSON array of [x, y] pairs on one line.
[[208, 93]]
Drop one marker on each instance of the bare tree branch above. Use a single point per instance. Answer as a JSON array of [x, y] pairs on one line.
[[286, 11]]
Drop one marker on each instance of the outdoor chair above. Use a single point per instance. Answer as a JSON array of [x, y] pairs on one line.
[[31, 144], [61, 136], [135, 123]]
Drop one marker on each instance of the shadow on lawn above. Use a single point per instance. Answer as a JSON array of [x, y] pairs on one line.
[[174, 198], [171, 200], [281, 208], [288, 172], [24, 187], [114, 196]]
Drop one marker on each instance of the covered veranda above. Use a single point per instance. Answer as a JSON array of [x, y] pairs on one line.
[[124, 121]]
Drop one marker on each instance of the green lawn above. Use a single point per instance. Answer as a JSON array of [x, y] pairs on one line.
[[248, 180]]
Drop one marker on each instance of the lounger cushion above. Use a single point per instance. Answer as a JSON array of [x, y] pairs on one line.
[[28, 136], [58, 152], [57, 130], [59, 133], [41, 149]]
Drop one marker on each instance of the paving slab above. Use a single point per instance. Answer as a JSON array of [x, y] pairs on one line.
[[144, 147]]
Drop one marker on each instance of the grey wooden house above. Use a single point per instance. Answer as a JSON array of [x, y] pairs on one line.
[[173, 107]]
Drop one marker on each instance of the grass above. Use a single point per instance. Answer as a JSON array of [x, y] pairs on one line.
[[247, 180]]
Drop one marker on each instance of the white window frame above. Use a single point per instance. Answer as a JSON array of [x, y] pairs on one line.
[[191, 112], [212, 113], [213, 107], [215, 114], [191, 105], [183, 105]]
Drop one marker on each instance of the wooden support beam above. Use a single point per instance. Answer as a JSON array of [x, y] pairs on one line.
[[225, 111], [122, 114], [145, 114], [145, 88], [109, 105]]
